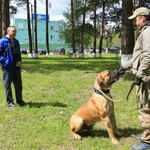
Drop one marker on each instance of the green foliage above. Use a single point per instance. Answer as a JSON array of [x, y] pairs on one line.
[[55, 88], [112, 15], [88, 28], [69, 54]]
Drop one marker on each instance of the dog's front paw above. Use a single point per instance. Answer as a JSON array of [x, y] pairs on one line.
[[115, 141], [78, 137]]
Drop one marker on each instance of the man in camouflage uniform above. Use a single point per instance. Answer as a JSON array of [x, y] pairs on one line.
[[139, 64]]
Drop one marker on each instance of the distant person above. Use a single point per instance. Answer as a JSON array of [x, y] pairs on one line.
[[139, 64], [10, 58]]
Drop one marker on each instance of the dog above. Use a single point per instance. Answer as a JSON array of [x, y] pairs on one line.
[[98, 108]]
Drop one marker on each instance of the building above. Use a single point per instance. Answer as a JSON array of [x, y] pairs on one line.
[[55, 38]]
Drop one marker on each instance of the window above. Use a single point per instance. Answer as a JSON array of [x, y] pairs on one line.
[[60, 38], [52, 37], [60, 28], [20, 25], [52, 28]]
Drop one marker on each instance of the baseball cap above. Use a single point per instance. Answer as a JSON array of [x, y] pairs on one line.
[[142, 11]]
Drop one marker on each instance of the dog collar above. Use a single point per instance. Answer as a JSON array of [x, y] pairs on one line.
[[99, 92]]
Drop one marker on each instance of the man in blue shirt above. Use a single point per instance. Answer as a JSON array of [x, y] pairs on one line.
[[10, 58]]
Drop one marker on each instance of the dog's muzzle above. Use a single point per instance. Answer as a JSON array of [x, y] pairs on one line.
[[114, 76]]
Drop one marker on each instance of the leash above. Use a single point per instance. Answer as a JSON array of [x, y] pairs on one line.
[[100, 92], [131, 88]]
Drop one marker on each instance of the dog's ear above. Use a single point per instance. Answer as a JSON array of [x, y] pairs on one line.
[[99, 81]]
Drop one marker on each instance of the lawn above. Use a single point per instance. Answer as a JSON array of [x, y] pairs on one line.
[[55, 88]]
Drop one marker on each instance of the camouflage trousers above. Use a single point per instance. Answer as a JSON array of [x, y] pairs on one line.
[[143, 104]]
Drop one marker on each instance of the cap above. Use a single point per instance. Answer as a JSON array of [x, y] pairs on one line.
[[142, 11]]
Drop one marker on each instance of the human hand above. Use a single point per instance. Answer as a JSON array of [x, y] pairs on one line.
[[137, 81], [121, 71], [146, 79], [18, 64]]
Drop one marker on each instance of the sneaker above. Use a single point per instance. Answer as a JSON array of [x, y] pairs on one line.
[[11, 104], [141, 146], [21, 103]]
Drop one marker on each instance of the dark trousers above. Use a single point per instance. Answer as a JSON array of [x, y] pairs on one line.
[[15, 78]]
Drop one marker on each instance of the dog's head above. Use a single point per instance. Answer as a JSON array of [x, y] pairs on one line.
[[105, 79]]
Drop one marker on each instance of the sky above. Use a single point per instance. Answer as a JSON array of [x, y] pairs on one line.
[[55, 12]]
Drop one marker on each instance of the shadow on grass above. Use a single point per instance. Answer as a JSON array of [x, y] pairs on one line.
[[127, 132], [42, 104], [50, 65]]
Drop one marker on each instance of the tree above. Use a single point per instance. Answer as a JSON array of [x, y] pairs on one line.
[[5, 16], [35, 30], [83, 26], [102, 18], [102, 29], [29, 29], [144, 3], [47, 30], [81, 37], [95, 3], [79, 28], [72, 24], [92, 7], [127, 32], [47, 5]]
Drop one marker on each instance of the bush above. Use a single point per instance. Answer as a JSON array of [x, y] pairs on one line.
[[69, 54]]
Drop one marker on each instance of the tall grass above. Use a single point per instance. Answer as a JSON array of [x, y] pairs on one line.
[[55, 88]]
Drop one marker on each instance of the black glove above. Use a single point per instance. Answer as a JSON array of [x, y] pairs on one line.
[[137, 81], [121, 71]]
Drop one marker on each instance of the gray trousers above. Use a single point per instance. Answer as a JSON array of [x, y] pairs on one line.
[[143, 104], [15, 78]]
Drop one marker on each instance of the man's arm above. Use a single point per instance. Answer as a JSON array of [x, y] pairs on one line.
[[144, 65], [2, 58]]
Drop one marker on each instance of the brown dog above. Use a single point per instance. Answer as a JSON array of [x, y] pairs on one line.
[[99, 107]]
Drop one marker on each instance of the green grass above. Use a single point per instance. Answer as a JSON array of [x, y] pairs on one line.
[[55, 88]]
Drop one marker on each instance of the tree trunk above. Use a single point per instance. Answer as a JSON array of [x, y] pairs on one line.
[[127, 32], [29, 30], [35, 30], [32, 23], [102, 30], [94, 44], [47, 31], [73, 36], [5, 16], [82, 32]]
